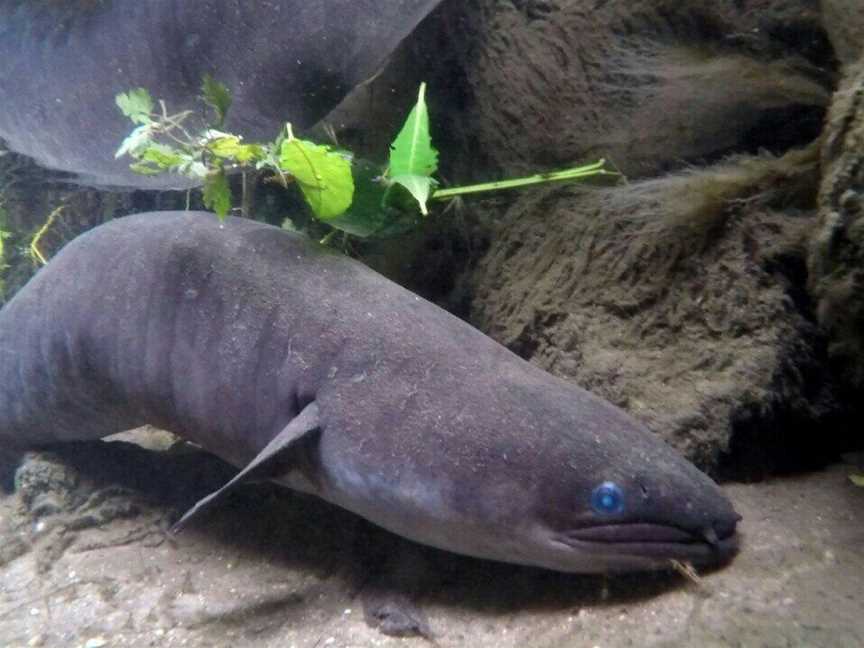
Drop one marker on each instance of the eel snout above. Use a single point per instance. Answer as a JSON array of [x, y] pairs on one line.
[[657, 544]]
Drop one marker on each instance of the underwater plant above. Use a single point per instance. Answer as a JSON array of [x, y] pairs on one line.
[[35, 249], [347, 194]]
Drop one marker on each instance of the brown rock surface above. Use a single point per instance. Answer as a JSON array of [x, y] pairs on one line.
[[681, 296], [844, 22], [836, 261], [648, 84], [676, 298]]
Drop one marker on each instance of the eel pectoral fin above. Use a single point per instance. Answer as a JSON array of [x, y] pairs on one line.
[[270, 462]]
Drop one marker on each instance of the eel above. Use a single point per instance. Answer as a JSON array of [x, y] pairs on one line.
[[286, 60], [299, 365]]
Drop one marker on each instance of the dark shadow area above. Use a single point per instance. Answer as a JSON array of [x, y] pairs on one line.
[[782, 129], [8, 462], [806, 433], [789, 443]]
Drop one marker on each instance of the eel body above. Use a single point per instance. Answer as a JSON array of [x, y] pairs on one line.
[[284, 61], [299, 365]]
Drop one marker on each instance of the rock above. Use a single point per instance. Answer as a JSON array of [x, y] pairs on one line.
[[836, 258], [844, 22], [650, 85], [149, 437], [91, 484], [677, 298], [46, 485], [681, 297]]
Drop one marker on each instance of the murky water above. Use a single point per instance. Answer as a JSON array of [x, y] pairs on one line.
[[657, 203]]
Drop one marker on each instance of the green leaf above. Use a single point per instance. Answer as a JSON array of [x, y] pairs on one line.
[[378, 210], [230, 147], [412, 156], [324, 177], [144, 168], [858, 480], [137, 140], [136, 104], [217, 194], [191, 167], [420, 187], [217, 96], [162, 156]]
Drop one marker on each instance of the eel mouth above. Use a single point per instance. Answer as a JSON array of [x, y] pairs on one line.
[[657, 543]]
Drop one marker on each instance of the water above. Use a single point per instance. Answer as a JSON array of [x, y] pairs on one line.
[[712, 289]]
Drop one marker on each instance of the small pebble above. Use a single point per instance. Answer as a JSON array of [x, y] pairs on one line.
[[96, 642]]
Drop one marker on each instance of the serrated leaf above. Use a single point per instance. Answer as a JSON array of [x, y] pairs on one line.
[[136, 140], [412, 155], [420, 186], [217, 96], [217, 194], [379, 209], [324, 176], [193, 168], [144, 168], [162, 156], [230, 147], [136, 104]]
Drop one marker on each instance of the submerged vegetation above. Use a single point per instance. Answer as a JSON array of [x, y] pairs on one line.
[[35, 249], [347, 194]]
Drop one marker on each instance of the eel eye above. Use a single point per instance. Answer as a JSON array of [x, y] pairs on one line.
[[607, 498]]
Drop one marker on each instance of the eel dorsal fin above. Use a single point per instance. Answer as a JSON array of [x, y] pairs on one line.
[[268, 464]]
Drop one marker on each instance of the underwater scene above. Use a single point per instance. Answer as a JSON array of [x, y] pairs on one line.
[[487, 323]]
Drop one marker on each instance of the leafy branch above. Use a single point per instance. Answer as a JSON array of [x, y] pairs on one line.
[[162, 143], [381, 205]]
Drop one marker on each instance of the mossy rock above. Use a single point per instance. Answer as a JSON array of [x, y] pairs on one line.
[[836, 256]]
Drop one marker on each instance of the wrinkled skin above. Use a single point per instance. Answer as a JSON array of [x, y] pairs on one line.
[[424, 425], [285, 60]]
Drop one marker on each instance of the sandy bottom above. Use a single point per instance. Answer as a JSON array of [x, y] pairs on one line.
[[275, 569]]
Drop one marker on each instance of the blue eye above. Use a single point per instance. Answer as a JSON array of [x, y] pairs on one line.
[[607, 498]]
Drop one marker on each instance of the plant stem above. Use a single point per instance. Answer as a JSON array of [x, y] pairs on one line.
[[329, 236], [553, 176], [35, 252], [250, 185]]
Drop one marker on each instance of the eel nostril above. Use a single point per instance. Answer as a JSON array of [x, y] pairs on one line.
[[724, 527]]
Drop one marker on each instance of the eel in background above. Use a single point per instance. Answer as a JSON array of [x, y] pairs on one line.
[[62, 63], [299, 365]]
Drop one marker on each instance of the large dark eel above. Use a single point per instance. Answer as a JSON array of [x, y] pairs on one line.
[[63, 61], [302, 366]]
